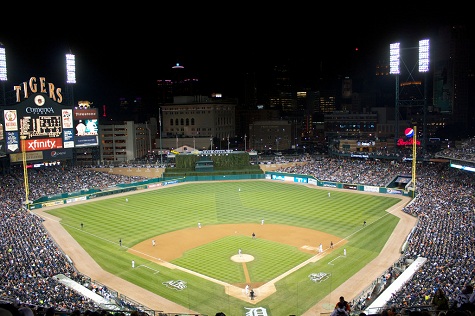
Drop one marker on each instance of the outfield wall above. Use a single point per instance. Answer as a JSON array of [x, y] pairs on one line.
[[71, 197], [297, 178]]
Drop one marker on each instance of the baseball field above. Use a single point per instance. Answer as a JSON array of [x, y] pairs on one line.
[[148, 245]]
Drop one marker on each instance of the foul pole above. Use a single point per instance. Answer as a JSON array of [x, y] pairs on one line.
[[414, 158]]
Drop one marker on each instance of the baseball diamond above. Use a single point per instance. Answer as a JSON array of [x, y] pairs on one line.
[[276, 263]]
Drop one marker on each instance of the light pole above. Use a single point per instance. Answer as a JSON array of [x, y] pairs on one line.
[[394, 64], [160, 125], [25, 169], [245, 142]]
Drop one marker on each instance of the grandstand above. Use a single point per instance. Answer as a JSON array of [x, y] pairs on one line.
[[444, 236]]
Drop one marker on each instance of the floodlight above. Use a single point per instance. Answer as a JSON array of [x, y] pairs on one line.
[[394, 54], [3, 64], [70, 68], [424, 55]]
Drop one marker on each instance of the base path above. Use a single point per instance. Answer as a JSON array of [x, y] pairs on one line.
[[349, 289]]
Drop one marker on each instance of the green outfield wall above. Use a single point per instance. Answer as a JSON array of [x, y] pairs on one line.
[[153, 183]]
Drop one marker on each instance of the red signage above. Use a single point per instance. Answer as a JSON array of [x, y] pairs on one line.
[[43, 144], [408, 142]]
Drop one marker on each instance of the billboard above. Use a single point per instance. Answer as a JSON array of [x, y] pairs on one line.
[[86, 127], [40, 121], [38, 126]]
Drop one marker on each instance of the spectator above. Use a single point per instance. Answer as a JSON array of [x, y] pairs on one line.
[[462, 300], [345, 304], [440, 301], [340, 310]]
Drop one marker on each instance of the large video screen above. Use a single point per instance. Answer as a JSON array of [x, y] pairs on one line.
[[86, 127]]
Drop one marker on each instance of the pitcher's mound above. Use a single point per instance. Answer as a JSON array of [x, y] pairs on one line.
[[242, 258]]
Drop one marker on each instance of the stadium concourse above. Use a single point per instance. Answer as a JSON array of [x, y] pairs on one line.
[[444, 234]]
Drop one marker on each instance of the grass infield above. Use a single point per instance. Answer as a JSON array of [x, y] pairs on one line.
[[151, 213]]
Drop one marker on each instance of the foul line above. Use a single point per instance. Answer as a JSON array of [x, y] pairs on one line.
[[246, 273]]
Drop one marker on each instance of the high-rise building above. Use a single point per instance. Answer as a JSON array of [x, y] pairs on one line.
[[180, 83], [454, 75], [282, 95]]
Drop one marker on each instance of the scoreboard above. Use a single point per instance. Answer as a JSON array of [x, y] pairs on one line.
[[45, 130]]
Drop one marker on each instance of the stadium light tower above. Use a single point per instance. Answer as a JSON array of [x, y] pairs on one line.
[[394, 69], [70, 77], [424, 68], [423, 61], [3, 71]]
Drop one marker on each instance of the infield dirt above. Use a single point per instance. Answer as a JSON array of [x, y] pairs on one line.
[[305, 239]]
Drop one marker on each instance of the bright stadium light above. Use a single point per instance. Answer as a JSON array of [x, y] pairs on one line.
[[3, 63], [424, 55], [394, 54], [70, 68], [3, 71]]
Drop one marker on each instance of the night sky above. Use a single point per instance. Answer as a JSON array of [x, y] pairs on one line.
[[123, 52]]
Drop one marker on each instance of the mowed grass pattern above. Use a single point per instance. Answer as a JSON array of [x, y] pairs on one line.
[[213, 259], [154, 212]]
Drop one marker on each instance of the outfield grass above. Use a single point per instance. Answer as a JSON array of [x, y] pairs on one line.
[[151, 213]]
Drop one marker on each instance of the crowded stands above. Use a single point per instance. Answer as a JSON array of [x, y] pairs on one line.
[[445, 233]]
